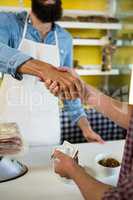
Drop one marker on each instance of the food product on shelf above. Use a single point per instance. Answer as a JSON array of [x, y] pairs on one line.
[[97, 19], [68, 18], [87, 38], [76, 64], [90, 18], [113, 20], [107, 54]]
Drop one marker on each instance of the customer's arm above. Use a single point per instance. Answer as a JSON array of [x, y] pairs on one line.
[[89, 187], [74, 108], [117, 111], [78, 116]]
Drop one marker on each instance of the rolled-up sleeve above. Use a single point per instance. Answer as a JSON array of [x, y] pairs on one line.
[[124, 191], [10, 58], [74, 109]]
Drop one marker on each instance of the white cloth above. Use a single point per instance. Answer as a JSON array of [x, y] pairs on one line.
[[28, 102]]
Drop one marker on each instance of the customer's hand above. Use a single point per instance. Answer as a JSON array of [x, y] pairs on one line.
[[69, 83], [91, 96], [65, 83], [91, 136], [56, 90], [87, 131], [64, 165], [53, 87]]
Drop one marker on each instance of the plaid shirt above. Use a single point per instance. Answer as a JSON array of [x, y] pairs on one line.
[[99, 123], [124, 189]]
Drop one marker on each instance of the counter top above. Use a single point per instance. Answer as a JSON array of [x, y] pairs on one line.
[[41, 183]]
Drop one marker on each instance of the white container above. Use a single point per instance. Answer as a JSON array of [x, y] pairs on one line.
[[102, 171], [11, 169]]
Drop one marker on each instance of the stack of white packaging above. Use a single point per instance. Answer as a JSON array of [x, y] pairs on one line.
[[10, 139]]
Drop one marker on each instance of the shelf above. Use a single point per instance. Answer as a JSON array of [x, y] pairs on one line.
[[89, 25], [124, 69], [90, 42], [125, 14], [79, 25], [96, 72], [12, 9], [69, 12], [122, 43], [76, 12]]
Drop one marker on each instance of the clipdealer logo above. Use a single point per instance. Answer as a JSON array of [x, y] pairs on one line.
[[21, 97]]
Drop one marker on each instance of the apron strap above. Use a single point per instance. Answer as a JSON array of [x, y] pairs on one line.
[[56, 39], [57, 46], [24, 31]]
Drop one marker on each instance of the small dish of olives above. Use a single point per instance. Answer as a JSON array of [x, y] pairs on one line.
[[107, 164]]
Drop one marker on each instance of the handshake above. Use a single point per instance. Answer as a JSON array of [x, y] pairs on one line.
[[62, 82], [67, 86]]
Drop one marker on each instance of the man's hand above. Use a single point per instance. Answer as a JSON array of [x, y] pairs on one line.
[[55, 89], [64, 165], [68, 82], [89, 94]]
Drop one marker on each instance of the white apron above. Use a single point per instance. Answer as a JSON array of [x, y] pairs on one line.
[[28, 102]]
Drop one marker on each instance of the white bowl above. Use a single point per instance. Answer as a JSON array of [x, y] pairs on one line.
[[102, 171]]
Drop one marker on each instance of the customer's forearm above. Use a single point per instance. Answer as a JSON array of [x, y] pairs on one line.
[[83, 123], [89, 187], [117, 111]]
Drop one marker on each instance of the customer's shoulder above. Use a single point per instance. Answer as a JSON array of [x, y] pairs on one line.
[[63, 33]]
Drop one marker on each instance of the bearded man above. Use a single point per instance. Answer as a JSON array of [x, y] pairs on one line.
[[32, 43]]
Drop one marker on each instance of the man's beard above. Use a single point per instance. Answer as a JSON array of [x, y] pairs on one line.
[[48, 12]]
